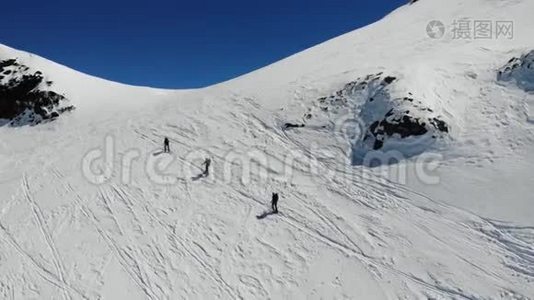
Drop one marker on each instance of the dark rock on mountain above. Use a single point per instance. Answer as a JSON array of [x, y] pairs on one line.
[[368, 101], [519, 70], [22, 100]]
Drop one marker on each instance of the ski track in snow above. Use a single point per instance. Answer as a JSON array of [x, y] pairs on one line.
[[126, 220], [40, 220], [146, 235]]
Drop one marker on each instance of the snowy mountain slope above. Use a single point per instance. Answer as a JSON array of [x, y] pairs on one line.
[[156, 230], [183, 240], [454, 77]]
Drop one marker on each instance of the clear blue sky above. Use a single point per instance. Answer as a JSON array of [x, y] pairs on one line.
[[178, 44]]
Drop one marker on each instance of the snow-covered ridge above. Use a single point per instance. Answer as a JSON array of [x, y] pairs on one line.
[[89, 94]]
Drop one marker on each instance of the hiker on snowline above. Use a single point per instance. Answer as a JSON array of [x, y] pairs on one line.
[[207, 164], [166, 147], [274, 203]]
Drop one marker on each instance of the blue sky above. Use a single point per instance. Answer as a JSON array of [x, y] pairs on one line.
[[178, 44]]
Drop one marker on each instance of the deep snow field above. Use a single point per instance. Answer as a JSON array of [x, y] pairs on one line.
[[406, 173]]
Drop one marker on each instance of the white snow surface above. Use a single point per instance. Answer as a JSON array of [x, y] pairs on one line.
[[343, 232]]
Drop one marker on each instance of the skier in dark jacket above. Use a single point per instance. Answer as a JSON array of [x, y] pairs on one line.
[[166, 147], [207, 164], [274, 203]]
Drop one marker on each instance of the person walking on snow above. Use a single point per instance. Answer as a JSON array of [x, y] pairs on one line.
[[207, 164], [166, 147], [274, 203]]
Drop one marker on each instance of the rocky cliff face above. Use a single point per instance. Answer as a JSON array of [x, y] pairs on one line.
[[382, 114], [26, 97], [519, 70]]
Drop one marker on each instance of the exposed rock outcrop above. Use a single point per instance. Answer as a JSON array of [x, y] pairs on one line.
[[382, 117], [519, 70], [25, 98]]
